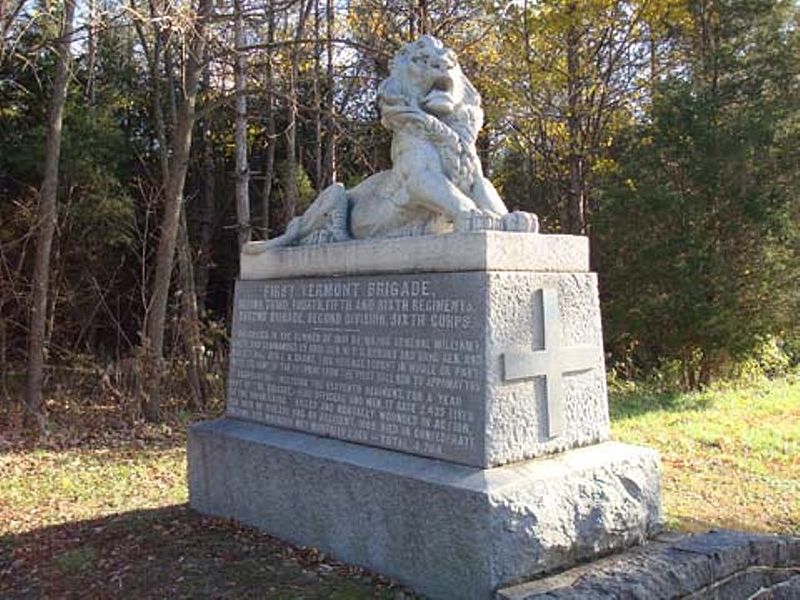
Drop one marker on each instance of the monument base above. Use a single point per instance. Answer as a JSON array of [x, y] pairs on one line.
[[445, 530]]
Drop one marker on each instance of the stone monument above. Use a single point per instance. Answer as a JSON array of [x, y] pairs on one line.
[[416, 380]]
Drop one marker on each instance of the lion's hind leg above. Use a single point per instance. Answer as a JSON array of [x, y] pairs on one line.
[[324, 221]]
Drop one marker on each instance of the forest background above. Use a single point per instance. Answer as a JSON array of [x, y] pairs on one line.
[[143, 141]]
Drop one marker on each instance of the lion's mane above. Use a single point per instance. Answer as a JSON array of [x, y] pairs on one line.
[[454, 135]]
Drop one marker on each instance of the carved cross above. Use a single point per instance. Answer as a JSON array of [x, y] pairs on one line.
[[552, 362]]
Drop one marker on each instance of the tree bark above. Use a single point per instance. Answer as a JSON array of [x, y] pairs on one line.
[[329, 163], [318, 152], [205, 260], [269, 163], [576, 198], [423, 20], [35, 411], [242, 171], [190, 319], [291, 191], [9, 11], [4, 395], [153, 342], [91, 43]]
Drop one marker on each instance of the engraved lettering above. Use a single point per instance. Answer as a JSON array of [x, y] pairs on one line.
[[393, 362]]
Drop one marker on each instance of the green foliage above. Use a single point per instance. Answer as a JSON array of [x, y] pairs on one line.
[[697, 229], [98, 207], [665, 129], [95, 207], [305, 188], [569, 76]]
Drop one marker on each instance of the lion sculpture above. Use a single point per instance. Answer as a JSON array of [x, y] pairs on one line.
[[436, 183]]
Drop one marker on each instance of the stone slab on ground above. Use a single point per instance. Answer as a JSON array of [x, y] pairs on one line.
[[445, 530], [722, 564], [452, 252], [420, 363]]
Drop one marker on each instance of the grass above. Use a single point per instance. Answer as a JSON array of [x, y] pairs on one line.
[[730, 457], [100, 509], [49, 487], [104, 515]]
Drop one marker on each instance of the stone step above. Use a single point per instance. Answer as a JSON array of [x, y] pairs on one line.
[[721, 564]]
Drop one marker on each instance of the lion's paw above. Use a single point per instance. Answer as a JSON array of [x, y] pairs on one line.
[[520, 221], [476, 220]]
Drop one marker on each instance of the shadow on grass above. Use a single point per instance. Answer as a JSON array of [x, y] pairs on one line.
[[173, 552], [625, 404]]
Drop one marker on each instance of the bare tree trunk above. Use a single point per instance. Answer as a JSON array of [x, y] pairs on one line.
[[653, 51], [4, 395], [330, 100], [156, 99], [91, 51], [242, 172], [9, 11], [153, 342], [423, 19], [269, 163], [190, 329], [189, 320], [292, 193], [172, 100], [154, 58], [318, 176], [204, 260], [54, 286], [577, 199], [269, 170], [35, 412]]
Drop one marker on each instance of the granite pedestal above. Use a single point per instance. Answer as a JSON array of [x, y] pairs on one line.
[[444, 426]]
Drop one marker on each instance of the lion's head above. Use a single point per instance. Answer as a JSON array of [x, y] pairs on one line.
[[425, 76]]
